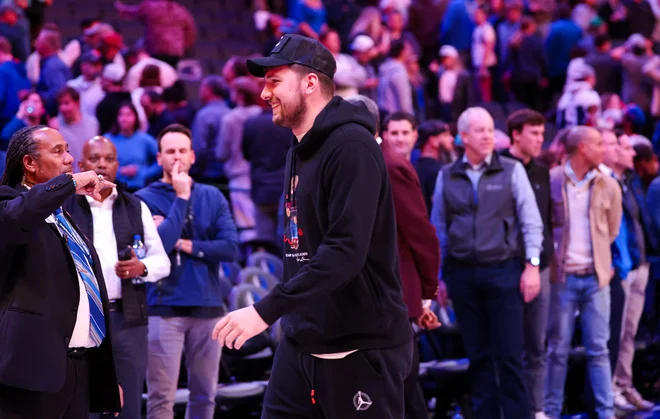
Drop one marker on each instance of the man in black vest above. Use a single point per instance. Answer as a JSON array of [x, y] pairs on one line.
[[481, 204], [112, 223], [56, 354], [525, 128]]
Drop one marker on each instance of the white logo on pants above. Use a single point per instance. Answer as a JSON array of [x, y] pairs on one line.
[[361, 401]]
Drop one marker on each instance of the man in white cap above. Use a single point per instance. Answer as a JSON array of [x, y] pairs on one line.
[[350, 74], [111, 81], [361, 49], [454, 85], [580, 104]]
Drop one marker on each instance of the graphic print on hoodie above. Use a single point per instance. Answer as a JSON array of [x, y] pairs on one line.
[[341, 287], [293, 232]]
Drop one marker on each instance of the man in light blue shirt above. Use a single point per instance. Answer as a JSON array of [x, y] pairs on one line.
[[482, 204]]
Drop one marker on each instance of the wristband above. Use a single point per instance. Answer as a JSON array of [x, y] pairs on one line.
[[70, 176]]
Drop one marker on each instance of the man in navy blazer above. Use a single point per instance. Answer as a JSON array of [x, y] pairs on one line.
[[56, 357]]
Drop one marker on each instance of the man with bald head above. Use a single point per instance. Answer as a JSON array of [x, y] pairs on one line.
[[587, 210], [113, 221], [482, 205], [56, 357]]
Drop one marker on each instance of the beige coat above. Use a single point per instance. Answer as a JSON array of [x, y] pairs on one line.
[[605, 212]]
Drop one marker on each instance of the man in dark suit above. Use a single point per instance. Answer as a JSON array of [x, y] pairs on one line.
[[56, 360]]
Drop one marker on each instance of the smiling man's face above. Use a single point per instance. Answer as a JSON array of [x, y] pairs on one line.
[[284, 92]]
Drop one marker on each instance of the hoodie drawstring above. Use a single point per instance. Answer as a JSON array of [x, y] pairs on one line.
[[308, 377]]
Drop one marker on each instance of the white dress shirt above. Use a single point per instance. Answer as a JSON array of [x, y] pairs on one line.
[[80, 338], [105, 243]]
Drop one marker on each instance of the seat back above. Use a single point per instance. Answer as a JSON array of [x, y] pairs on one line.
[[230, 271], [257, 277], [266, 262]]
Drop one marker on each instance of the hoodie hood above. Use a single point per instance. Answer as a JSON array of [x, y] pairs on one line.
[[337, 112]]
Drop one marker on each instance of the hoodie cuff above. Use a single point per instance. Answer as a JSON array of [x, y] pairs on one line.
[[269, 308]]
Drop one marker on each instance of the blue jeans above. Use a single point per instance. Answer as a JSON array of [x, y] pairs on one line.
[[581, 293]]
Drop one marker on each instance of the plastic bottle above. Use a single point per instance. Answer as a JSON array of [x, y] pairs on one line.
[[140, 252], [138, 247]]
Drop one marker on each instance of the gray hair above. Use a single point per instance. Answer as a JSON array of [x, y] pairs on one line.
[[369, 103], [464, 120]]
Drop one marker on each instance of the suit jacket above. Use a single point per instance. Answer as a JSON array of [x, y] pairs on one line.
[[39, 296], [605, 211], [419, 249]]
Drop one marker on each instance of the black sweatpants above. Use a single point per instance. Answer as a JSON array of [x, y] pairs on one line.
[[365, 384]]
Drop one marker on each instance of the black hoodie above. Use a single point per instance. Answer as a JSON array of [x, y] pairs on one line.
[[341, 288]]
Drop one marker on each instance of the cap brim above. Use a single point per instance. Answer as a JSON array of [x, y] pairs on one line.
[[259, 66]]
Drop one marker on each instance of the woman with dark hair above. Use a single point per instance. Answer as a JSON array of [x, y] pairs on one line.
[[136, 150]]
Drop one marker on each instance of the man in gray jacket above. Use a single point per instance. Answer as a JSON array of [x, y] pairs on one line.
[[481, 204]]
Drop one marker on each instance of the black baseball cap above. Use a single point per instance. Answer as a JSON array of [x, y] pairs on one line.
[[295, 49]]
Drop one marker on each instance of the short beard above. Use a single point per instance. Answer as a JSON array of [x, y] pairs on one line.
[[293, 115]]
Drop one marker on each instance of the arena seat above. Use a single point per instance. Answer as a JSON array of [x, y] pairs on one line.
[[230, 271], [267, 262], [257, 277]]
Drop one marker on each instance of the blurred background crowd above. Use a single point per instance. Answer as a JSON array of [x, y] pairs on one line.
[[126, 70]]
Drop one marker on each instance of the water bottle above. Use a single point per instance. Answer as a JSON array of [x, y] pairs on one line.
[[458, 414], [138, 247], [140, 252]]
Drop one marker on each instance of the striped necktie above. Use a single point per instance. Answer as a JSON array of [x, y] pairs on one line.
[[83, 261]]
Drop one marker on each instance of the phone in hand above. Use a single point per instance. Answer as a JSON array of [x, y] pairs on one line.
[[125, 254]]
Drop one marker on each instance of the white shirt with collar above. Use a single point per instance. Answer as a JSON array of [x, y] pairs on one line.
[[80, 338], [105, 243]]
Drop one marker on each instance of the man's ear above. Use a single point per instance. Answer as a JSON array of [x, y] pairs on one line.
[[30, 164], [311, 82]]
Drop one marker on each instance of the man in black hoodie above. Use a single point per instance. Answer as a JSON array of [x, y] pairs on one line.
[[348, 344]]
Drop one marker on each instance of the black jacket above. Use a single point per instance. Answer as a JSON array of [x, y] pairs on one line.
[[126, 223], [341, 288], [39, 296], [539, 177], [265, 146]]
